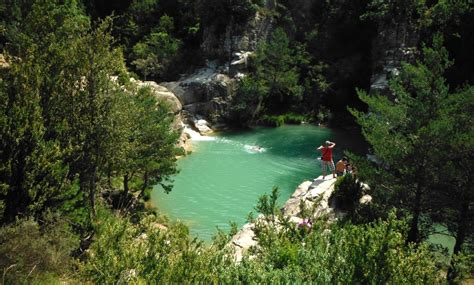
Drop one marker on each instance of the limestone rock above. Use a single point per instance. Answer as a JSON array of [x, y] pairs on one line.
[[162, 93], [301, 189], [203, 127], [206, 92], [242, 58], [238, 36], [242, 241], [366, 199]]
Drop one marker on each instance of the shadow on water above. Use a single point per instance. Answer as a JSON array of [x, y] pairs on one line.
[[278, 142], [304, 140]]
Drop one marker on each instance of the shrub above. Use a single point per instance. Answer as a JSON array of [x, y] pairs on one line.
[[123, 252], [347, 192], [33, 254], [374, 253], [272, 121], [279, 120], [292, 118]]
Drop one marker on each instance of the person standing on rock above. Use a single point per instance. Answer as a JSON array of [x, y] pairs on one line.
[[326, 159]]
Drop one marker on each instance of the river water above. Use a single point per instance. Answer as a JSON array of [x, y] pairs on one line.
[[222, 179]]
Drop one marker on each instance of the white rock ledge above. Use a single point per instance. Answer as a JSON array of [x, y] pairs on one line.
[[310, 192]]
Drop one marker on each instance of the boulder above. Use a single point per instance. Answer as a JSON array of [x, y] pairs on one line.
[[203, 127], [163, 93], [302, 189], [205, 92], [242, 241]]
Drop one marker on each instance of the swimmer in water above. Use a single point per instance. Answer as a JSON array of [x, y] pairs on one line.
[[257, 148]]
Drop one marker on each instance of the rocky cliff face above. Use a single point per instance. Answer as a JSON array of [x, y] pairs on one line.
[[395, 43], [237, 37], [204, 93], [207, 92]]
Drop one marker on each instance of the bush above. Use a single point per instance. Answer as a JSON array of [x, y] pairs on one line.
[[279, 120], [347, 192], [374, 253], [272, 121], [33, 254], [123, 252], [295, 119]]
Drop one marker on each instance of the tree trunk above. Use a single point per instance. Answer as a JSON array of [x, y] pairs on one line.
[[87, 186], [92, 185], [109, 178], [414, 234], [125, 185], [461, 232], [145, 185], [17, 198]]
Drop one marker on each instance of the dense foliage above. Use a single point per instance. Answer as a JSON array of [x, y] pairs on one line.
[[347, 192], [68, 130], [372, 253], [81, 145], [422, 140]]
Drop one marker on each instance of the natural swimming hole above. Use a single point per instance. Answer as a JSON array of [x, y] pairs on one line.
[[221, 181]]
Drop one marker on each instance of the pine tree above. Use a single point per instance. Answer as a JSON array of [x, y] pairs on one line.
[[397, 131], [31, 170]]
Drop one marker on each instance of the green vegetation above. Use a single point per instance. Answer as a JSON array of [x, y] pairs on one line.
[[423, 139], [274, 87], [144, 252], [347, 192], [68, 130], [279, 120], [81, 146]]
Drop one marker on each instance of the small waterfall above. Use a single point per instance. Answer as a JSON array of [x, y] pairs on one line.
[[196, 136]]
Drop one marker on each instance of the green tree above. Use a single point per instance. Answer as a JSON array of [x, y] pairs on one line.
[[452, 197], [34, 174], [149, 153], [31, 170], [273, 87], [153, 55], [276, 66], [397, 131], [244, 105]]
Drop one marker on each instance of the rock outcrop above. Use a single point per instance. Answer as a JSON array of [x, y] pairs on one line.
[[395, 43], [237, 37], [204, 93], [163, 94], [312, 193]]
